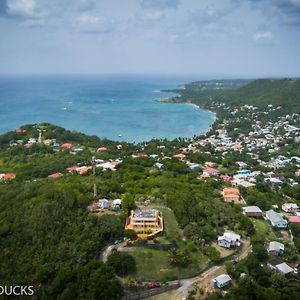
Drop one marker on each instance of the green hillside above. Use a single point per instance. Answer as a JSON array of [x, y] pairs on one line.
[[262, 92]]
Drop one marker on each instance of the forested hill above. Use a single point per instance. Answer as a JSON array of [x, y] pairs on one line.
[[262, 92]]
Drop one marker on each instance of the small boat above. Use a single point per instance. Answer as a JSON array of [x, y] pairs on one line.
[[64, 108], [120, 135]]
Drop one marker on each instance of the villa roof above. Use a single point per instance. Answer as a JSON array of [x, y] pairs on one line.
[[144, 213]]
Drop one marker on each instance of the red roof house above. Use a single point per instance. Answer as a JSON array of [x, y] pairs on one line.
[[67, 146], [83, 170], [48, 142], [231, 194], [55, 175], [72, 169], [9, 176], [226, 178], [180, 156], [101, 149], [294, 219], [210, 171]]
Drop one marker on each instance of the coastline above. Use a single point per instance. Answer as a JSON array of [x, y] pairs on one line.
[[197, 106]]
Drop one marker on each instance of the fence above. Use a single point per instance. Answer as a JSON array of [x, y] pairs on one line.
[[152, 292], [163, 247]]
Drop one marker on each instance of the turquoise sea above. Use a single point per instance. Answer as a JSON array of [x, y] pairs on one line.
[[106, 106]]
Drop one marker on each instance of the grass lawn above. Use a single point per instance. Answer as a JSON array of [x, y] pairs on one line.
[[264, 229], [171, 228], [154, 265], [172, 231]]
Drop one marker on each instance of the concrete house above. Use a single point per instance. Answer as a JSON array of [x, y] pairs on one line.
[[284, 269], [232, 195], [252, 211], [221, 281], [276, 219], [229, 239], [147, 222], [275, 248], [104, 203], [290, 207]]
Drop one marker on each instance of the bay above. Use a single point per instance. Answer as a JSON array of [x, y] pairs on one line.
[[114, 107]]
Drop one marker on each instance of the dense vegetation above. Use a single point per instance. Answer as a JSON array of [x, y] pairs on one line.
[[262, 92], [48, 240]]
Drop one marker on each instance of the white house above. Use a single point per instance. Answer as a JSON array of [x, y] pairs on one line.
[[290, 207], [229, 239], [221, 281], [275, 248], [284, 269], [104, 203]]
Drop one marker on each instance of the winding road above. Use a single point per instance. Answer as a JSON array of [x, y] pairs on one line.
[[185, 284]]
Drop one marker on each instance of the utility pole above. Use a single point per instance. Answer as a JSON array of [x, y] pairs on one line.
[[40, 135], [94, 177]]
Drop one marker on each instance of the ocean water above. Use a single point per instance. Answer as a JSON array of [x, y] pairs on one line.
[[103, 106]]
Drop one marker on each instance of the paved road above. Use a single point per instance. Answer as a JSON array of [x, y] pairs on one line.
[[186, 284], [108, 250]]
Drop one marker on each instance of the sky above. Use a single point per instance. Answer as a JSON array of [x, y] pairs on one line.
[[223, 38]]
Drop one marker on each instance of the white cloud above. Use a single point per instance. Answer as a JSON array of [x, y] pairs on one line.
[[27, 11], [86, 4], [173, 37], [93, 24], [33, 23], [24, 9], [263, 35], [160, 4], [21, 8], [152, 15], [295, 2]]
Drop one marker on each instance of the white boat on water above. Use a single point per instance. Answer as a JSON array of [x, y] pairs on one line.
[[120, 135]]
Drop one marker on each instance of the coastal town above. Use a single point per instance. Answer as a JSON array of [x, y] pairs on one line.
[[193, 212]]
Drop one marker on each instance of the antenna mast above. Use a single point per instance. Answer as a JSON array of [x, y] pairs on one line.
[[94, 177]]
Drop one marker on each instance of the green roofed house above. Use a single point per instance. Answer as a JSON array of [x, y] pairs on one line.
[[276, 219], [221, 281]]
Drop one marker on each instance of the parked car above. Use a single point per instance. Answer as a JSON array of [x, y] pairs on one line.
[[118, 241], [153, 285]]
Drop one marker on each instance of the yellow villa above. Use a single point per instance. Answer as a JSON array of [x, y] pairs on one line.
[[145, 222]]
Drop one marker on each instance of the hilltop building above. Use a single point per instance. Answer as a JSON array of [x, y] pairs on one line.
[[147, 222]]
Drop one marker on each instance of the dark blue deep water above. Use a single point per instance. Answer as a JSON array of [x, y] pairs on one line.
[[103, 106]]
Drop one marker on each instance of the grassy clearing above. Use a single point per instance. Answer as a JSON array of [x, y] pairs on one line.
[[154, 265], [171, 228], [172, 231], [264, 229]]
